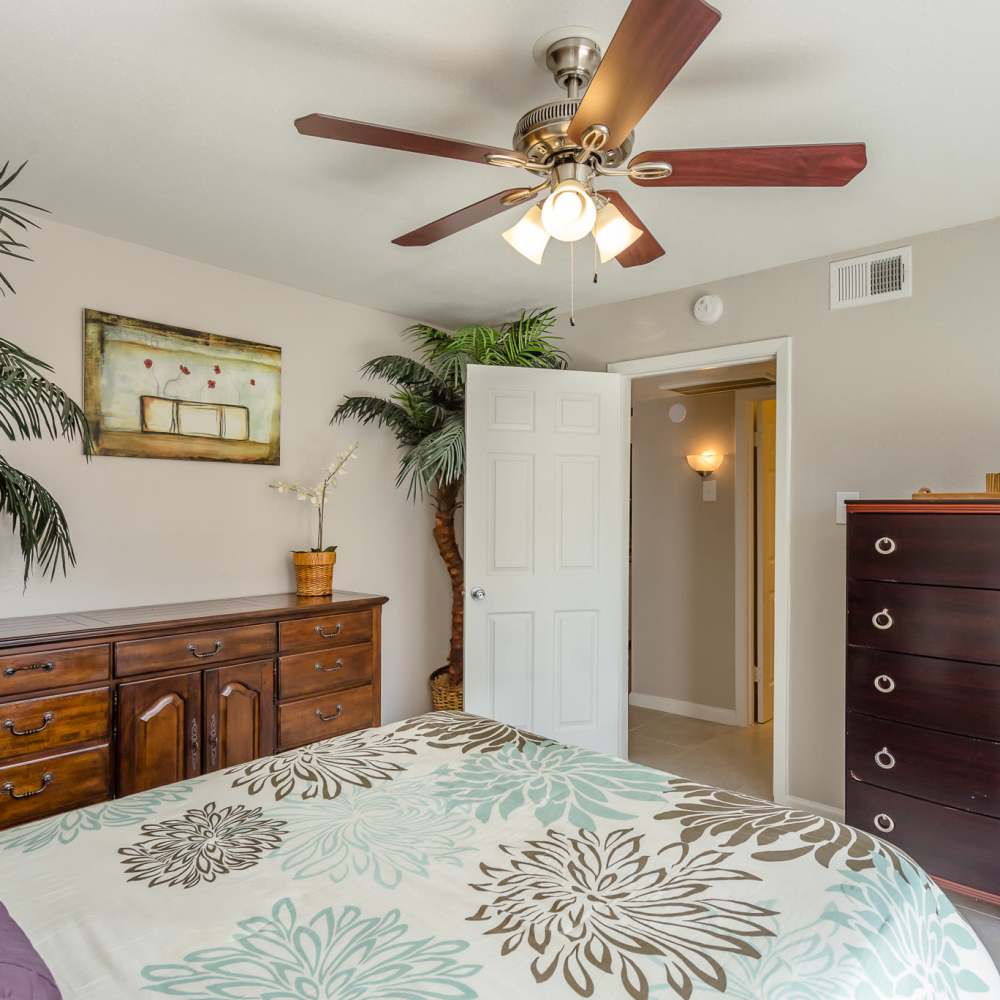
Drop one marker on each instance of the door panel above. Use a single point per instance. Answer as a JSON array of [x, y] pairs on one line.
[[159, 727], [239, 714], [546, 529]]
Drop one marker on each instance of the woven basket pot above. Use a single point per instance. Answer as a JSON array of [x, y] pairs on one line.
[[314, 573], [445, 696]]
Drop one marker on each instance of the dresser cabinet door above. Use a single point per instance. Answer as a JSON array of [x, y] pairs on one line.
[[239, 714], [159, 732]]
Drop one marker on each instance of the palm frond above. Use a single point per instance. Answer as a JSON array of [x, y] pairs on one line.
[[438, 459], [38, 521], [383, 412], [9, 247]]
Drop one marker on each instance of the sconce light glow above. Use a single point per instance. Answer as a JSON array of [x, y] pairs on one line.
[[706, 463], [613, 233], [527, 236], [568, 213]]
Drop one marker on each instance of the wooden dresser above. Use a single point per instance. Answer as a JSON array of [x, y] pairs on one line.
[[923, 684], [100, 704]]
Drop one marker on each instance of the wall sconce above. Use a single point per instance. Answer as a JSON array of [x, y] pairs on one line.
[[706, 464]]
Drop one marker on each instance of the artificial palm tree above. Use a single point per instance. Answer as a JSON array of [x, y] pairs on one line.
[[426, 412], [31, 407]]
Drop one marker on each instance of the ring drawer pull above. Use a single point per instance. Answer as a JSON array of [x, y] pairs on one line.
[[329, 718], [8, 787], [882, 620], [202, 655], [329, 635], [884, 823], [46, 719], [885, 546], [337, 665], [885, 759], [47, 667], [884, 684]]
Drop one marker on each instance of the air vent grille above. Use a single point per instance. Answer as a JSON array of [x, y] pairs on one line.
[[876, 277]]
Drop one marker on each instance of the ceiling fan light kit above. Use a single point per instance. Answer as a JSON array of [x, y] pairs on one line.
[[588, 134]]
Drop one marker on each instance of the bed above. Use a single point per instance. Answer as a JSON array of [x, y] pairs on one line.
[[450, 857]]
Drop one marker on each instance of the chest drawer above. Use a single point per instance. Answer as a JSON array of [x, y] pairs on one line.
[[312, 719], [951, 844], [954, 770], [957, 550], [947, 622], [324, 631], [245, 642], [50, 668], [42, 786], [325, 670], [38, 724], [948, 695]]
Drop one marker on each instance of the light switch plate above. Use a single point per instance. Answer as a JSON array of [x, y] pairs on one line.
[[710, 490], [840, 515]]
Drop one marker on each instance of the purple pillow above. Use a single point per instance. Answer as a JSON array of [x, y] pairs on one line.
[[23, 974]]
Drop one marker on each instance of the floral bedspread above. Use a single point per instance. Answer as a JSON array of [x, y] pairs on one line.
[[451, 857]]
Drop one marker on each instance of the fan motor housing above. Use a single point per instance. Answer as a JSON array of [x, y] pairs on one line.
[[541, 134]]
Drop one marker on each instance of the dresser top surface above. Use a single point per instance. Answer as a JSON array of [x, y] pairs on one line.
[[985, 505], [234, 609]]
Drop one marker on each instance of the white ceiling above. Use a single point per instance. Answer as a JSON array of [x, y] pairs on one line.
[[170, 124]]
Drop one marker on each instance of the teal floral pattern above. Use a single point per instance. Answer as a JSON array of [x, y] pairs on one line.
[[338, 953], [554, 780]]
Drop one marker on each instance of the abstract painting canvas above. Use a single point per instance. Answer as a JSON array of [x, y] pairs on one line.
[[156, 391]]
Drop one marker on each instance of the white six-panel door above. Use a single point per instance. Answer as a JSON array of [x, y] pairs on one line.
[[546, 552]]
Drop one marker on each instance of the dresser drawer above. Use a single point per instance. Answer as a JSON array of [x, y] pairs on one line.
[[955, 550], [323, 716], [949, 843], [41, 786], [325, 670], [143, 656], [324, 631], [947, 622], [948, 695], [38, 724], [51, 668], [954, 770]]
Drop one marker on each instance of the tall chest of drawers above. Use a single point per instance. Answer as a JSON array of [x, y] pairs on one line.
[[97, 705], [923, 684]]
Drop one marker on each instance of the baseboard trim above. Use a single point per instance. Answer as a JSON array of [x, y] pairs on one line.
[[807, 805], [708, 713]]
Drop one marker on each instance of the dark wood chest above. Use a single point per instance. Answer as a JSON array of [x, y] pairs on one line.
[[923, 684], [97, 705]]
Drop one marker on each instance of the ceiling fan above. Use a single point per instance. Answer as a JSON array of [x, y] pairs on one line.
[[573, 142]]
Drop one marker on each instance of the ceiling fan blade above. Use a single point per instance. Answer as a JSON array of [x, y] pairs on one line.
[[455, 222], [831, 165], [345, 130], [654, 40], [646, 248]]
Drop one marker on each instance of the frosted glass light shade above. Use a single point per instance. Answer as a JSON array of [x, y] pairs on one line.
[[613, 233], [568, 213], [527, 236], [707, 461]]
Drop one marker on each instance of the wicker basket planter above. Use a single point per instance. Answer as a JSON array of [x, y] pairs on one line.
[[314, 573], [444, 695]]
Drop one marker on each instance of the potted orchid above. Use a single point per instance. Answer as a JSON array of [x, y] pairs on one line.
[[314, 567]]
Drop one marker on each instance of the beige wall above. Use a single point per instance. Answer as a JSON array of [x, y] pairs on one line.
[[885, 399], [147, 531], [683, 572]]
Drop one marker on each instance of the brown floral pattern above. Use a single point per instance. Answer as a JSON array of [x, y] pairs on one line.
[[446, 730], [321, 770], [201, 845], [780, 834], [586, 904]]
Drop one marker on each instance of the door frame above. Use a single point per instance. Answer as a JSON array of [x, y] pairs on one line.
[[778, 349]]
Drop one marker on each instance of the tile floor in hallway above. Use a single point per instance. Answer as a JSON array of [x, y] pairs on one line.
[[740, 759]]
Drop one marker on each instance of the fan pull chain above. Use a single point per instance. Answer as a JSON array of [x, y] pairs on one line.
[[572, 284], [595, 262]]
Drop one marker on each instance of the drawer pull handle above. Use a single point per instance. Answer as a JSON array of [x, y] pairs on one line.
[[884, 823], [204, 654], [884, 684], [885, 546], [8, 787], [329, 635], [329, 718], [882, 620], [885, 760], [46, 719], [47, 667], [337, 665]]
